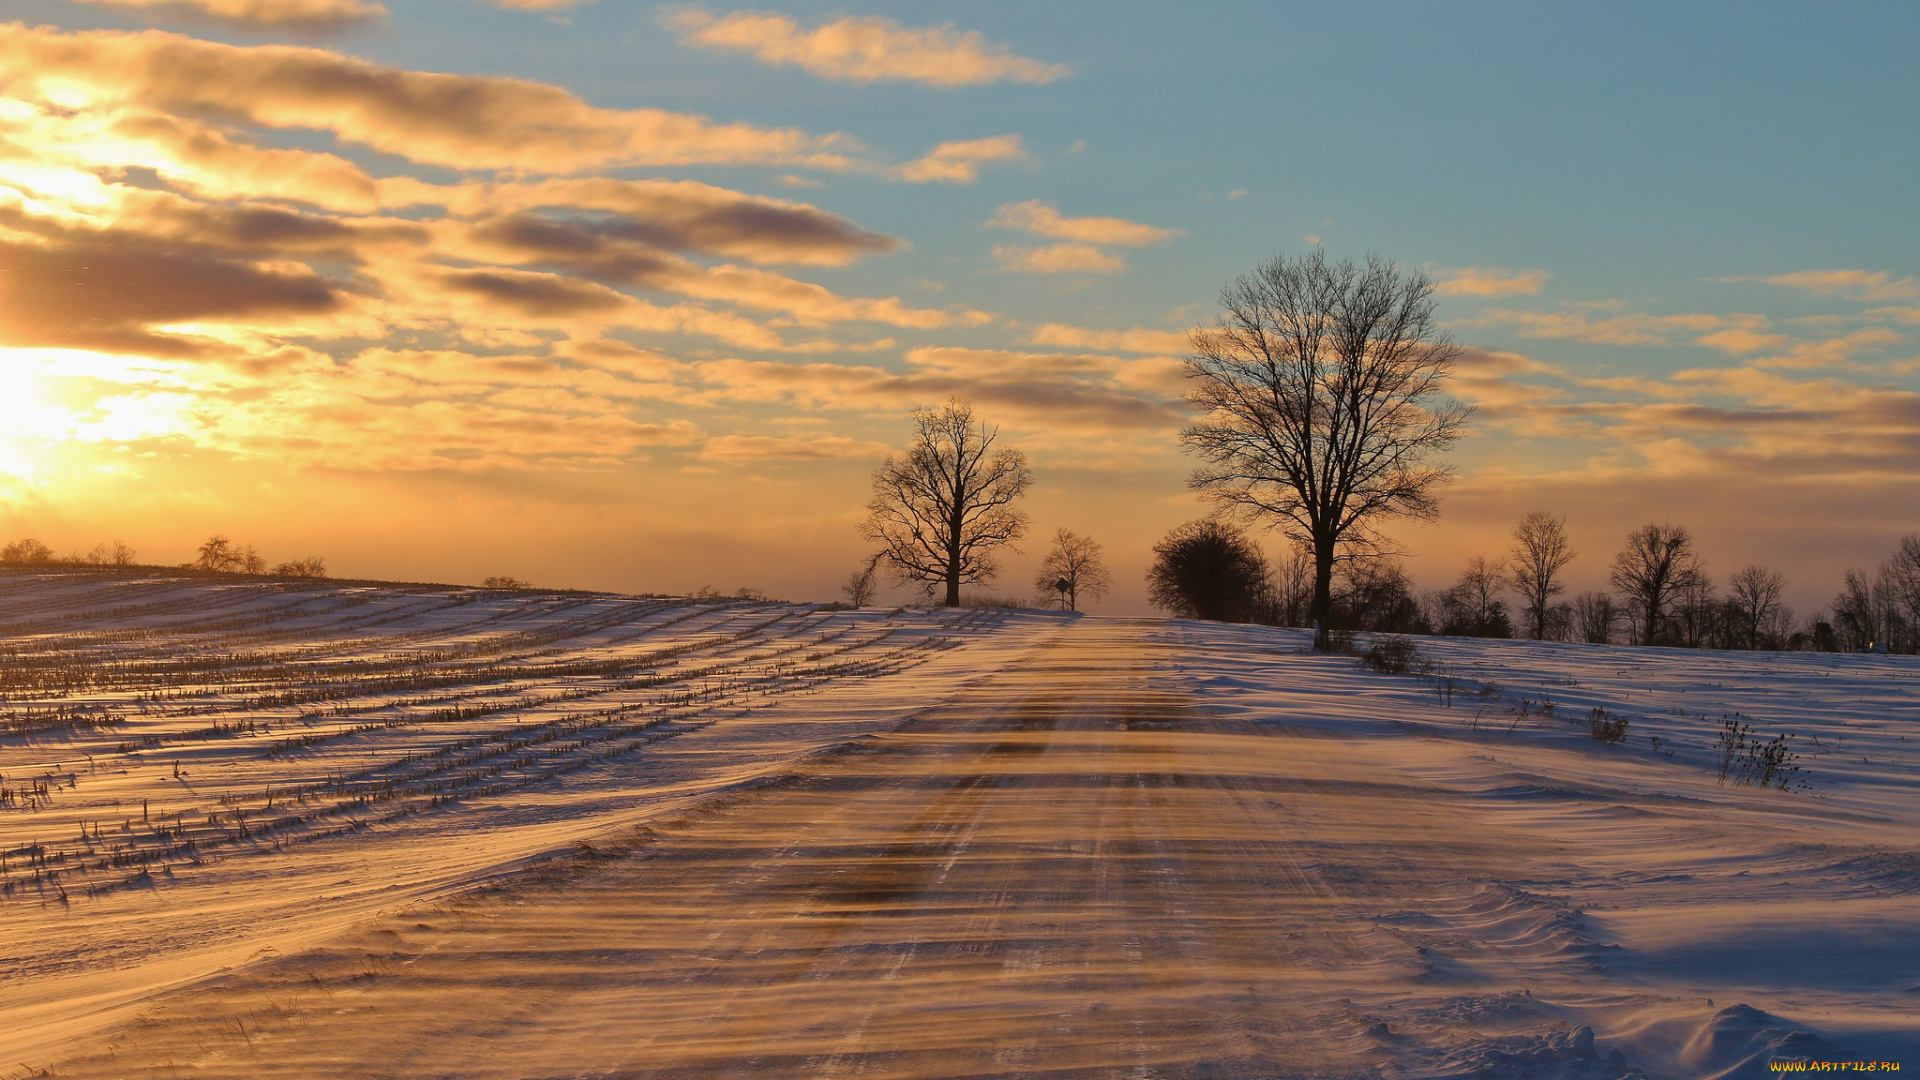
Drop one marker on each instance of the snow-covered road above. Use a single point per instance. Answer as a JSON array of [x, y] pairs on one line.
[[1084, 847]]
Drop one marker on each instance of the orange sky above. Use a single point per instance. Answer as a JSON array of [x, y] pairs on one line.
[[311, 276]]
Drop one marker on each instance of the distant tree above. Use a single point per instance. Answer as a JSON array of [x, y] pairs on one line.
[[1377, 595], [102, 555], [1858, 613], [1073, 567], [313, 566], [941, 512], [1473, 606], [27, 552], [1657, 562], [1754, 599], [1698, 617], [219, 554], [504, 582], [859, 587], [1208, 569], [1899, 582], [1594, 617], [1293, 588], [251, 561], [1540, 551], [1882, 610], [1559, 623], [1321, 388]]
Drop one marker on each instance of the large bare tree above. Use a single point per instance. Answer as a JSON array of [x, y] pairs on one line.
[[1540, 551], [1073, 568], [941, 512], [1658, 562], [1322, 388]]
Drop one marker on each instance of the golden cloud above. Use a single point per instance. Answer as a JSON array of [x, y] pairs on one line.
[[1136, 340], [1870, 285], [296, 14], [863, 50], [1490, 281], [1625, 329], [1043, 391], [959, 162], [739, 448], [674, 215], [1057, 259], [1038, 218], [460, 121]]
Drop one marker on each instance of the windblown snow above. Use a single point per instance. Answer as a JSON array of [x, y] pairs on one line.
[[319, 830]]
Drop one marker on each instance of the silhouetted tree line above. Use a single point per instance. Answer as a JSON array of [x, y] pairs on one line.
[[1662, 594], [218, 555]]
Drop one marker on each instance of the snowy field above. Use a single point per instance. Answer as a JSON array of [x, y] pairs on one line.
[[321, 830]]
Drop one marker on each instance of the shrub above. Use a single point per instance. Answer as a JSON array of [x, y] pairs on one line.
[[1393, 655], [311, 567], [1605, 727], [1748, 762], [1208, 569]]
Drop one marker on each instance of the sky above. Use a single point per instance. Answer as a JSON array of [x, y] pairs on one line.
[[631, 296]]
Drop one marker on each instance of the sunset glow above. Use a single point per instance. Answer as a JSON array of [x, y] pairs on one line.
[[650, 292]]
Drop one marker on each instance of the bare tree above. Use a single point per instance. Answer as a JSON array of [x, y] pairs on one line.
[[1377, 595], [1074, 566], [1899, 585], [28, 552], [859, 587], [313, 566], [1293, 588], [1754, 596], [1595, 617], [1657, 562], [219, 554], [1540, 551], [102, 555], [1321, 384], [941, 513], [1473, 607], [1208, 569]]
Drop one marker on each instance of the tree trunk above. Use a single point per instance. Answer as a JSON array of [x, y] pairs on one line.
[[1322, 594]]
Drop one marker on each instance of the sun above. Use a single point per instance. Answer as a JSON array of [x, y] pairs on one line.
[[31, 422]]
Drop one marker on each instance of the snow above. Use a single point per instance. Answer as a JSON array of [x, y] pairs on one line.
[[462, 832]]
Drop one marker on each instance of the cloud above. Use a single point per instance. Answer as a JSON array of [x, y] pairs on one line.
[[274, 14], [1833, 352], [1739, 342], [959, 162], [674, 215], [613, 252], [1038, 218], [1058, 259], [110, 289], [1869, 285], [1043, 391], [538, 5], [1490, 281], [1626, 329], [460, 121], [863, 50], [1136, 340], [738, 448]]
